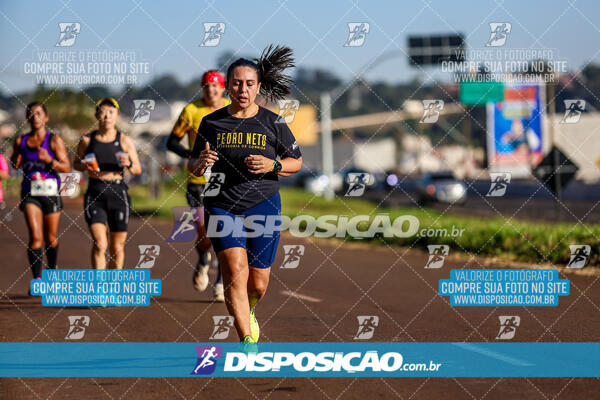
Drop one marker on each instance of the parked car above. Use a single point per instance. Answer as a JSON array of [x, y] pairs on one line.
[[442, 187], [317, 184]]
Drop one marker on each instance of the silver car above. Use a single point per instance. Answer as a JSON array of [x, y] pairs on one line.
[[442, 187]]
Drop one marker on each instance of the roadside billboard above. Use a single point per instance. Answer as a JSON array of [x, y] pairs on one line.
[[515, 129]]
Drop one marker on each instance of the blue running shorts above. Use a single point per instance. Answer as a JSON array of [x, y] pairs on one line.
[[261, 248]]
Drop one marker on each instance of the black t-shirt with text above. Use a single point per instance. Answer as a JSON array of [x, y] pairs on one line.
[[234, 139]]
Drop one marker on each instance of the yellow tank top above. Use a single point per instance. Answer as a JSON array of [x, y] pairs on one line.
[[188, 123]]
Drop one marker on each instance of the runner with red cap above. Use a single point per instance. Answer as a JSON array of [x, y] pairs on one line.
[[213, 86]]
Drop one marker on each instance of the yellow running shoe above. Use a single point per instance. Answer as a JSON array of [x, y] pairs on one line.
[[254, 328], [248, 345]]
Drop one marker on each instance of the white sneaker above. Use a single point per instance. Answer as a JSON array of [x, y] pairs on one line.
[[219, 293], [200, 278]]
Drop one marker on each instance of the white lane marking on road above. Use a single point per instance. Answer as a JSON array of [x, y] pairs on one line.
[[493, 354], [300, 296]]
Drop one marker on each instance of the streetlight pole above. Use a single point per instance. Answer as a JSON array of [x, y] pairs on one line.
[[551, 116], [327, 143]]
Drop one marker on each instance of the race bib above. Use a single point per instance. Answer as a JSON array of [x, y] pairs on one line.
[[44, 187]]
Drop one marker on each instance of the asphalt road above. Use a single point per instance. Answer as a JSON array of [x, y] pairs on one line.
[[318, 301]]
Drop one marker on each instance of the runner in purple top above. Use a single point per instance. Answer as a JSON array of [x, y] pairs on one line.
[[41, 155], [32, 166]]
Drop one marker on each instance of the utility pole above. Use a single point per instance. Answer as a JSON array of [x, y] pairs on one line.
[[555, 156], [154, 175], [326, 143]]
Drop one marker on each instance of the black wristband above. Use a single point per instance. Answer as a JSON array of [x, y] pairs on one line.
[[276, 166]]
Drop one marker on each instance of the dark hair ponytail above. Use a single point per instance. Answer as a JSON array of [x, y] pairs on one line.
[[269, 68]]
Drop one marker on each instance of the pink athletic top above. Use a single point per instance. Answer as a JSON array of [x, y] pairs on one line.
[[3, 168]]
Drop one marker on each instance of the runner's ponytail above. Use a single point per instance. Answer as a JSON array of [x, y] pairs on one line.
[[271, 64], [269, 68]]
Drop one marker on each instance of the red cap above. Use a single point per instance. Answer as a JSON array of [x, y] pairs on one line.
[[213, 76]]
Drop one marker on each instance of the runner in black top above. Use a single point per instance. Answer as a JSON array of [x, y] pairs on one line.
[[247, 146], [41, 155], [105, 154]]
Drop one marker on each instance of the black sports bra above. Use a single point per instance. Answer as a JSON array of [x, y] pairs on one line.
[[106, 153]]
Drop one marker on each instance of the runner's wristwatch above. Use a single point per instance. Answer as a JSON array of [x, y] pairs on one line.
[[276, 166]]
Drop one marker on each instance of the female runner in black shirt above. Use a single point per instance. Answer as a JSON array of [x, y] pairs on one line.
[[247, 147], [105, 154]]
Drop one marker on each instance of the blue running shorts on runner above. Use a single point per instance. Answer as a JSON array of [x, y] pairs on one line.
[[261, 249]]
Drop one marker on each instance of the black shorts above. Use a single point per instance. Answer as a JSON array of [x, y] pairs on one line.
[[194, 194], [48, 204], [107, 201]]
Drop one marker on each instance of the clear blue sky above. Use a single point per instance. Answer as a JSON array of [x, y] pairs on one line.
[[152, 26]]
